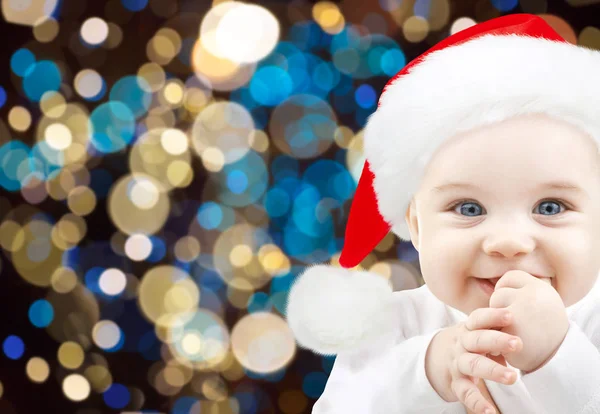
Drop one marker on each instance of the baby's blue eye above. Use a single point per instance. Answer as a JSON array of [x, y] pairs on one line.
[[470, 207]]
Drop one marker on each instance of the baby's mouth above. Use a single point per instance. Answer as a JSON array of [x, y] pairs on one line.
[[492, 282]]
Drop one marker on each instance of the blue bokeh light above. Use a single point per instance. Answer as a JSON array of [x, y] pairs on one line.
[[13, 165], [259, 302], [113, 126], [331, 179], [41, 313], [22, 61], [392, 62], [253, 166], [13, 347], [365, 96], [135, 5], [134, 92], [237, 181], [271, 85], [210, 215], [2, 96], [159, 249], [505, 5], [277, 202], [117, 396], [42, 77]]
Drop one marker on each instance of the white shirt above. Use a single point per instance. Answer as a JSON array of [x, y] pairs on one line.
[[389, 377]]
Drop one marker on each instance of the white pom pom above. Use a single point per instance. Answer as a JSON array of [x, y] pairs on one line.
[[332, 309]]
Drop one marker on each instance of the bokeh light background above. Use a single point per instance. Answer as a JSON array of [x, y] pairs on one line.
[[167, 168]]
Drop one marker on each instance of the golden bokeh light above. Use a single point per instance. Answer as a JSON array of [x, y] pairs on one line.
[[115, 36], [589, 37], [99, 377], [38, 257], [153, 74], [163, 46], [74, 117], [187, 249], [63, 280], [70, 355], [172, 94], [415, 29], [166, 290], [171, 168], [37, 369], [199, 339], [19, 118], [329, 17], [273, 260], [222, 73], [27, 13], [221, 119], [69, 231], [214, 388], [263, 342], [137, 203], [53, 104], [78, 311], [236, 256], [81, 200], [12, 236], [45, 29]]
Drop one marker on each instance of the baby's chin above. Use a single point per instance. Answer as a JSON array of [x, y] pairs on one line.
[[474, 298]]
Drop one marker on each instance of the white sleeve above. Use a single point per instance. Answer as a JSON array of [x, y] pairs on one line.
[[389, 379], [570, 381]]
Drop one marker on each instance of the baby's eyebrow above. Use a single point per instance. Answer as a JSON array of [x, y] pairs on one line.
[[553, 185]]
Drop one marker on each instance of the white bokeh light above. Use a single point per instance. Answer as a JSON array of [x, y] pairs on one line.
[[138, 247], [112, 281], [106, 334], [240, 32], [94, 31], [246, 34]]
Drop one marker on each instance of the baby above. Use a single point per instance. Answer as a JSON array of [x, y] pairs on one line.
[[495, 179]]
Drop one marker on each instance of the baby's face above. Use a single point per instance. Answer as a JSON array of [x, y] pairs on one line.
[[509, 217]]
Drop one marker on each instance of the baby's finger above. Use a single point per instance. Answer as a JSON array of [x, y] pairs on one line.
[[476, 365], [487, 318], [489, 341], [470, 396]]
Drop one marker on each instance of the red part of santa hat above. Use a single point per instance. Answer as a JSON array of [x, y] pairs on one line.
[[366, 226], [507, 66]]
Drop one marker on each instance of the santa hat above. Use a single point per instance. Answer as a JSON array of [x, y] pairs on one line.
[[512, 65]]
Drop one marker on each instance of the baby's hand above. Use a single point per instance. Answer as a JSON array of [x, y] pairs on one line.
[[473, 341], [540, 317]]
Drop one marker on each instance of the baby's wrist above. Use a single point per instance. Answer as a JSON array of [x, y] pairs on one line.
[[436, 369], [540, 365]]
